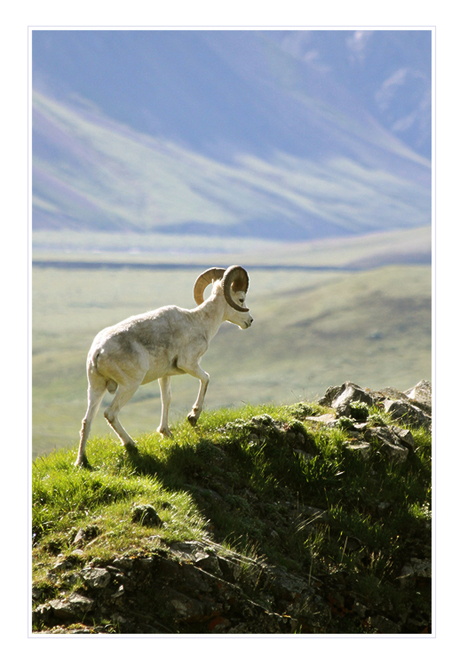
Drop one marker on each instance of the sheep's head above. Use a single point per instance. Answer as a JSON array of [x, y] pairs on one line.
[[235, 285]]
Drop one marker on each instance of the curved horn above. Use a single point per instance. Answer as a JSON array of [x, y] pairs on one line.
[[235, 278], [204, 280]]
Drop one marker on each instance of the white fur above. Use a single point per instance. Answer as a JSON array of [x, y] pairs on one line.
[[154, 346]]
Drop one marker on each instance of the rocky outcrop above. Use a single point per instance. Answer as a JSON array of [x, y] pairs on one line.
[[352, 405], [201, 587], [411, 407], [189, 587]]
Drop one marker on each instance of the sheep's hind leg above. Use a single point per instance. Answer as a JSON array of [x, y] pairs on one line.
[[165, 390], [124, 394], [96, 390]]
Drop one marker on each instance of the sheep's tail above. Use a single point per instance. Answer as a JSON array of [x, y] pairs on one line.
[[111, 385]]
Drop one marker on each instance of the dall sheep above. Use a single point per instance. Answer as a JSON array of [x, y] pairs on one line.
[[159, 344]]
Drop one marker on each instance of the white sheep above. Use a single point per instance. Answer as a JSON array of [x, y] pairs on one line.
[[159, 344]]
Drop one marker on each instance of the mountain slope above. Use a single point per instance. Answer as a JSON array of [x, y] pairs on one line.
[[389, 71], [90, 173], [251, 91], [223, 132]]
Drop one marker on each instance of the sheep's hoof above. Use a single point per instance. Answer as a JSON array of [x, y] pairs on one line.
[[82, 462], [165, 432], [193, 419], [131, 447]]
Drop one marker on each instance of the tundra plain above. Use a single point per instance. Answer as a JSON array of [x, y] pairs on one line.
[[368, 322]]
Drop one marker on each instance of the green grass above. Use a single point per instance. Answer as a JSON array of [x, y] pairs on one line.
[[312, 507]]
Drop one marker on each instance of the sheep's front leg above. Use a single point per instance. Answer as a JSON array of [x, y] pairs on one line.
[[203, 377], [165, 390]]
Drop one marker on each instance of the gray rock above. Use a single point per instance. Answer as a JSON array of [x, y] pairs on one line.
[[96, 578], [146, 515], [364, 449], [42, 613], [86, 535], [330, 395], [61, 565], [119, 593], [404, 436], [421, 393], [389, 443], [392, 394], [326, 418], [125, 564], [210, 563], [407, 413], [417, 568], [73, 606], [346, 395]]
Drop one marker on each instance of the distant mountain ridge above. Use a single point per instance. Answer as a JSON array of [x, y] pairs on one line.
[[276, 134]]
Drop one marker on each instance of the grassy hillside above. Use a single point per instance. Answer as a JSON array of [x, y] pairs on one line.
[[311, 330], [292, 497]]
